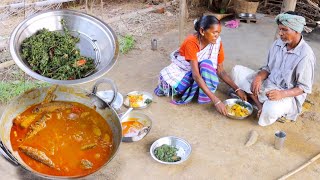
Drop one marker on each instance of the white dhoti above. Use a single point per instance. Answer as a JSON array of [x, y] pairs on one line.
[[271, 110]]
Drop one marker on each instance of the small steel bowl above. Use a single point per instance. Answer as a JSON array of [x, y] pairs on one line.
[[143, 119], [107, 97], [184, 148], [247, 16], [231, 102], [97, 40]]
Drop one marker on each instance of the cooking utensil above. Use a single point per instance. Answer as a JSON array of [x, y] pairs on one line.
[[97, 40], [126, 101], [96, 100], [62, 93], [184, 148], [280, 137], [154, 44], [231, 102], [108, 95], [126, 113], [143, 119], [247, 16]]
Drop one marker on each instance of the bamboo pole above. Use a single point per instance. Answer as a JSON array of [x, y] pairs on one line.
[[300, 168], [287, 5], [182, 19]]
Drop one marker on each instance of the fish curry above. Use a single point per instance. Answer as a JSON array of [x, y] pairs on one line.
[[62, 138]]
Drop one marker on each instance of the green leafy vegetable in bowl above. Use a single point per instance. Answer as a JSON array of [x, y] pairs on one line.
[[243, 104], [148, 101], [167, 153], [54, 55]]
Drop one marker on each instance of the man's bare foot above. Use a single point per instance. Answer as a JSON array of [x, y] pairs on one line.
[[259, 113]]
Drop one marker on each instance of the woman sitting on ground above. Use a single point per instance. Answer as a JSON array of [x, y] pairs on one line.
[[197, 66]]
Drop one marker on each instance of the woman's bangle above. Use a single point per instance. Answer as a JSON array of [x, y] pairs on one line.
[[217, 103], [237, 89]]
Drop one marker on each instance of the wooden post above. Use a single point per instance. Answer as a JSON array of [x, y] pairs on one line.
[[101, 9], [265, 3], [287, 5], [182, 19], [91, 6], [87, 6]]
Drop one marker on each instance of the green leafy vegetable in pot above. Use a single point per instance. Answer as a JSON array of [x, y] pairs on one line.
[[54, 55], [167, 153]]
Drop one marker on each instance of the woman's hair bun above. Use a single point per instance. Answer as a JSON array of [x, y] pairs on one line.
[[196, 23]]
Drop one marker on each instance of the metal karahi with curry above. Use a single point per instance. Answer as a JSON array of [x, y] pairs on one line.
[[56, 132], [62, 138]]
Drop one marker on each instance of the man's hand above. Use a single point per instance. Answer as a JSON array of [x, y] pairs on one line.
[[256, 85], [242, 95], [221, 108], [275, 95]]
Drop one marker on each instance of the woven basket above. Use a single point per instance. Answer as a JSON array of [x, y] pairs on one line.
[[245, 6]]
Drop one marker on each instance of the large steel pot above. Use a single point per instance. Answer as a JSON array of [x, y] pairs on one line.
[[97, 40], [63, 93]]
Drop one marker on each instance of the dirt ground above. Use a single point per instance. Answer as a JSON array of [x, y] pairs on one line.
[[218, 150]]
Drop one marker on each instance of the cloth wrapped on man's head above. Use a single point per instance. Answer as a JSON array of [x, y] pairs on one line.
[[293, 22]]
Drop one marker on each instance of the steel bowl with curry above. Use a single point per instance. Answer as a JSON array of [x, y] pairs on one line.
[[238, 109]]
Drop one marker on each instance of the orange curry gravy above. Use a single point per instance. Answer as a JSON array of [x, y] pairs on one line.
[[75, 138], [131, 127]]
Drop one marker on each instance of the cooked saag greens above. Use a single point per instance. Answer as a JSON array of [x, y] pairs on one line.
[[148, 101], [243, 104], [54, 55], [167, 153]]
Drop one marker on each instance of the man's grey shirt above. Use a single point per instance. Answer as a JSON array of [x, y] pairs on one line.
[[289, 69]]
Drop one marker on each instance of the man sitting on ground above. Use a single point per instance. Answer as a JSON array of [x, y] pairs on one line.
[[281, 86]]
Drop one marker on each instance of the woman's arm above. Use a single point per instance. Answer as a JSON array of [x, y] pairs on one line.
[[226, 78], [197, 77]]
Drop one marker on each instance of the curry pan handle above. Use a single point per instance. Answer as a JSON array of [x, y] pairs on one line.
[[106, 81], [6, 154]]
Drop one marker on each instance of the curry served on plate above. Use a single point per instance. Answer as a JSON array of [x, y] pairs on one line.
[[62, 138], [137, 100], [237, 110]]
